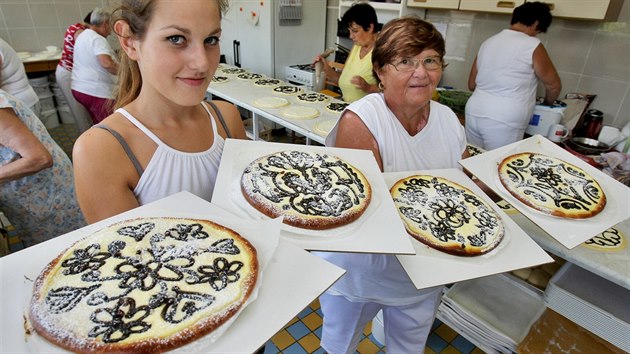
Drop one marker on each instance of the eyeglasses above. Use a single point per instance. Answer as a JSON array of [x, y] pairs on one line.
[[411, 64]]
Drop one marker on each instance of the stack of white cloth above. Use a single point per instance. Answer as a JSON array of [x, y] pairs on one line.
[[494, 312]]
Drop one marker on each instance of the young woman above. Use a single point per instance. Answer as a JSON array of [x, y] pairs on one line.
[[162, 139]]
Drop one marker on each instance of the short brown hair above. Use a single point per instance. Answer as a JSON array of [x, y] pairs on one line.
[[405, 37]]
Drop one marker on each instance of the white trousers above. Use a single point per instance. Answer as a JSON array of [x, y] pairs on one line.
[[406, 327], [491, 134], [82, 117]]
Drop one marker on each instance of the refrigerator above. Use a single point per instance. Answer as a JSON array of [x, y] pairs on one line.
[[265, 36]]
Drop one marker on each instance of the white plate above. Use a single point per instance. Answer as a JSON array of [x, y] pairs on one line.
[[569, 232]]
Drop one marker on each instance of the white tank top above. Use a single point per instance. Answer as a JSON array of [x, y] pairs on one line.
[[171, 171], [377, 277]]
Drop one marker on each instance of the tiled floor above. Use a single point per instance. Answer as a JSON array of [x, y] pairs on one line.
[[302, 334]]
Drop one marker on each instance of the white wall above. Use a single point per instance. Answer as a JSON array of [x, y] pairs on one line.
[[591, 57], [31, 25]]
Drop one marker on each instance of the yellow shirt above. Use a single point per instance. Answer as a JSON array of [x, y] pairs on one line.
[[355, 66]]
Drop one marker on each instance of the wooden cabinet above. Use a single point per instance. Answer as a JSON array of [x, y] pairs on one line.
[[434, 4], [496, 6], [580, 9]]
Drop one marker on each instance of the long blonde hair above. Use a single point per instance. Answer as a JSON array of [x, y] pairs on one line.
[[137, 14]]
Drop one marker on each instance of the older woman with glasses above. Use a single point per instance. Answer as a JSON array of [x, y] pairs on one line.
[[405, 131]]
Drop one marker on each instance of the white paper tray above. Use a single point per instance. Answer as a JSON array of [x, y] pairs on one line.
[[569, 232], [378, 230], [489, 299], [592, 302], [255, 325], [516, 250]]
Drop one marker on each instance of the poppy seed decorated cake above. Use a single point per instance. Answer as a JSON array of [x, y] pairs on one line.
[[143, 286], [447, 216], [311, 190], [551, 185]]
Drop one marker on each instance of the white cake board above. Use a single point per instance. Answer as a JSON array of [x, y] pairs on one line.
[[308, 276], [569, 232], [430, 267], [378, 230]]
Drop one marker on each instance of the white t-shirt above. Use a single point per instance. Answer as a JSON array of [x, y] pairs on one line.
[[506, 81], [88, 76], [13, 77], [377, 277]]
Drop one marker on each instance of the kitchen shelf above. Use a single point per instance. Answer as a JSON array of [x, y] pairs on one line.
[[385, 6], [592, 302], [476, 309]]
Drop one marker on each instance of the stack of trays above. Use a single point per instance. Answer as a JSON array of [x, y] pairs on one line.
[[592, 302], [494, 312]]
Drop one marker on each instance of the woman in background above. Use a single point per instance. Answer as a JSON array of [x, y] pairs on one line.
[[406, 131], [36, 182], [94, 68], [504, 78], [356, 79], [163, 138], [13, 79], [63, 74]]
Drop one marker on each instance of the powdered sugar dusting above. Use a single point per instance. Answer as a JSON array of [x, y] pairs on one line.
[[155, 286]]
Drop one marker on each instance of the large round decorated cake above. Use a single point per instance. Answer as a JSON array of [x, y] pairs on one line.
[[143, 286], [311, 190], [551, 185], [447, 216]]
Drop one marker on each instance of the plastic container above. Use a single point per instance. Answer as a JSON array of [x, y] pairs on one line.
[[40, 85], [65, 115], [47, 101], [544, 117], [49, 118], [59, 97]]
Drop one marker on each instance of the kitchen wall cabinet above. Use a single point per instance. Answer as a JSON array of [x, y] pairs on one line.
[[576, 9], [580, 9], [386, 11], [495, 6], [434, 4]]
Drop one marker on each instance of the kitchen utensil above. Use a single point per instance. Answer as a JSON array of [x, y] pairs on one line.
[[557, 133], [591, 124], [544, 117], [320, 75], [587, 146]]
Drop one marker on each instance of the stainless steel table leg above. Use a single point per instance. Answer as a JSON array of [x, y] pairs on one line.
[[255, 126]]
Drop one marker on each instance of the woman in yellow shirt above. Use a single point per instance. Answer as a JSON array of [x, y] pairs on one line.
[[356, 79]]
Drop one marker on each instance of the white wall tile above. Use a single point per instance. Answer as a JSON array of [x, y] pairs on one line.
[[17, 15], [24, 39], [568, 48], [610, 95], [609, 57], [44, 15]]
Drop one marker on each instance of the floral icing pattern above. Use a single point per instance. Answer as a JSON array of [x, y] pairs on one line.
[[445, 215], [181, 268]]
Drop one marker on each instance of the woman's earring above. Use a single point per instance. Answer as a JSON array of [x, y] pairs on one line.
[[381, 86]]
